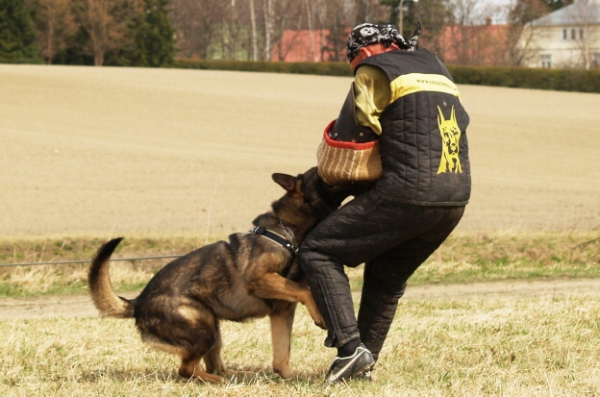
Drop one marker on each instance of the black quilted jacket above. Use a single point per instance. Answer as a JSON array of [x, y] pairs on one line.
[[424, 148]]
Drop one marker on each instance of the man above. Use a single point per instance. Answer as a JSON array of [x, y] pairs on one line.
[[405, 98]]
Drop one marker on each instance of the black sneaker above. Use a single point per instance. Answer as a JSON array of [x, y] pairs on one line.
[[346, 368], [367, 375]]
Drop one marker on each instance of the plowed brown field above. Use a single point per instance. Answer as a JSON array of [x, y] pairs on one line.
[[121, 151]]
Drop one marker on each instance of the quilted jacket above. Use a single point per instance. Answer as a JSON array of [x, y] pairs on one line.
[[424, 149]]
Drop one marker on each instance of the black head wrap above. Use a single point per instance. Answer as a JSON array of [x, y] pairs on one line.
[[367, 33]]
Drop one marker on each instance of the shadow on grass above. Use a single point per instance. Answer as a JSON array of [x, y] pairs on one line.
[[243, 375], [120, 375]]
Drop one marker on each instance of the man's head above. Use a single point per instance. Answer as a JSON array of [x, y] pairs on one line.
[[379, 38]]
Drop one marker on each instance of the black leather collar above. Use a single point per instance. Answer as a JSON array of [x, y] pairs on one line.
[[261, 231]]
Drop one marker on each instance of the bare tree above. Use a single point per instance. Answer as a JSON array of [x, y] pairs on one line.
[[197, 23], [254, 37], [289, 24], [462, 32], [269, 16], [466, 16], [368, 11], [107, 23], [289, 15], [257, 26], [340, 19], [234, 32], [56, 26], [434, 16], [311, 30], [523, 33], [585, 31], [321, 13]]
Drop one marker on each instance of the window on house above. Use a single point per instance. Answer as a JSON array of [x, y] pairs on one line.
[[580, 34], [573, 34], [546, 61], [565, 35], [596, 60]]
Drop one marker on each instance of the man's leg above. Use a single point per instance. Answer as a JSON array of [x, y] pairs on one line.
[[331, 290], [358, 232], [361, 230], [385, 277]]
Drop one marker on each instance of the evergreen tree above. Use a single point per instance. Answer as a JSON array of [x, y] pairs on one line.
[[408, 18], [157, 37], [17, 33], [153, 41], [434, 15]]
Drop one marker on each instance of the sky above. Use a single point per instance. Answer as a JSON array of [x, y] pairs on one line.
[[496, 8]]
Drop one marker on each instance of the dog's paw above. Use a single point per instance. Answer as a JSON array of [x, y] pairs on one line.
[[284, 371]]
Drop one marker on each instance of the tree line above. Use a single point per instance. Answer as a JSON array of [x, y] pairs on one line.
[[87, 32], [154, 32]]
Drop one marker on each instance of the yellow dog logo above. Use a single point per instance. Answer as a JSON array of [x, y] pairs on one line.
[[450, 132]]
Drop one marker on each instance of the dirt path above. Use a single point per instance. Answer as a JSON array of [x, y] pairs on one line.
[[81, 305]]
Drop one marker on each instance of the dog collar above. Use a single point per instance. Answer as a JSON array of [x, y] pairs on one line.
[[261, 231]]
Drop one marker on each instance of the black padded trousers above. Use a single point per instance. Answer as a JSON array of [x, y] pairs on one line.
[[392, 239]]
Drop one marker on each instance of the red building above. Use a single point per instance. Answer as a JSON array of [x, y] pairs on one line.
[[302, 46], [479, 45]]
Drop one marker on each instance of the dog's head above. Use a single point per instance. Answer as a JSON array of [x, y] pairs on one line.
[[308, 200]]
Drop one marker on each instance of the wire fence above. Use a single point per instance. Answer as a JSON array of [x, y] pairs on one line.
[[71, 262]]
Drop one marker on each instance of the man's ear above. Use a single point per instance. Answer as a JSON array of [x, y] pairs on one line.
[[363, 53], [287, 182]]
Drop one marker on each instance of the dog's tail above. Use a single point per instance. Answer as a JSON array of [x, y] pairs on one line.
[[103, 295]]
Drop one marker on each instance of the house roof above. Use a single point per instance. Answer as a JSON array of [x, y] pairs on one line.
[[582, 11]]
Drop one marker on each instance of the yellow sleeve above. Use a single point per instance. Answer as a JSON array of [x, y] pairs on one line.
[[371, 95]]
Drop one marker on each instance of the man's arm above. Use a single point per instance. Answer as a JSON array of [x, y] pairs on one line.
[[372, 96]]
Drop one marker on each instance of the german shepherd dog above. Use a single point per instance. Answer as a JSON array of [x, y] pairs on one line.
[[249, 276]]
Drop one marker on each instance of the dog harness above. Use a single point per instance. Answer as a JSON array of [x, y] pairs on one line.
[[276, 238]]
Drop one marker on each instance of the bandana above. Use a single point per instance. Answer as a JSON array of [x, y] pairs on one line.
[[367, 33]]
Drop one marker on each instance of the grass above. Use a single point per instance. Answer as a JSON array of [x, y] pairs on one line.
[[547, 346], [463, 258], [486, 346], [488, 257], [20, 281]]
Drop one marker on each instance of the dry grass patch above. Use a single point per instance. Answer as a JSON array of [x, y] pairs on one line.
[[487, 347], [513, 256], [53, 279], [463, 258]]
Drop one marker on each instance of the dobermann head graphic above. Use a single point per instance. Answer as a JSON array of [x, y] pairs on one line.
[[450, 132]]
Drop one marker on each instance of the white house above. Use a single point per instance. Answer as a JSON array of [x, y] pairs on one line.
[[567, 38]]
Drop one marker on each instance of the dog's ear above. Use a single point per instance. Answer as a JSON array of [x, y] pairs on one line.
[[287, 182]]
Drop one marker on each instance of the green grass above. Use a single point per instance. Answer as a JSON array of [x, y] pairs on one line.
[[463, 258]]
